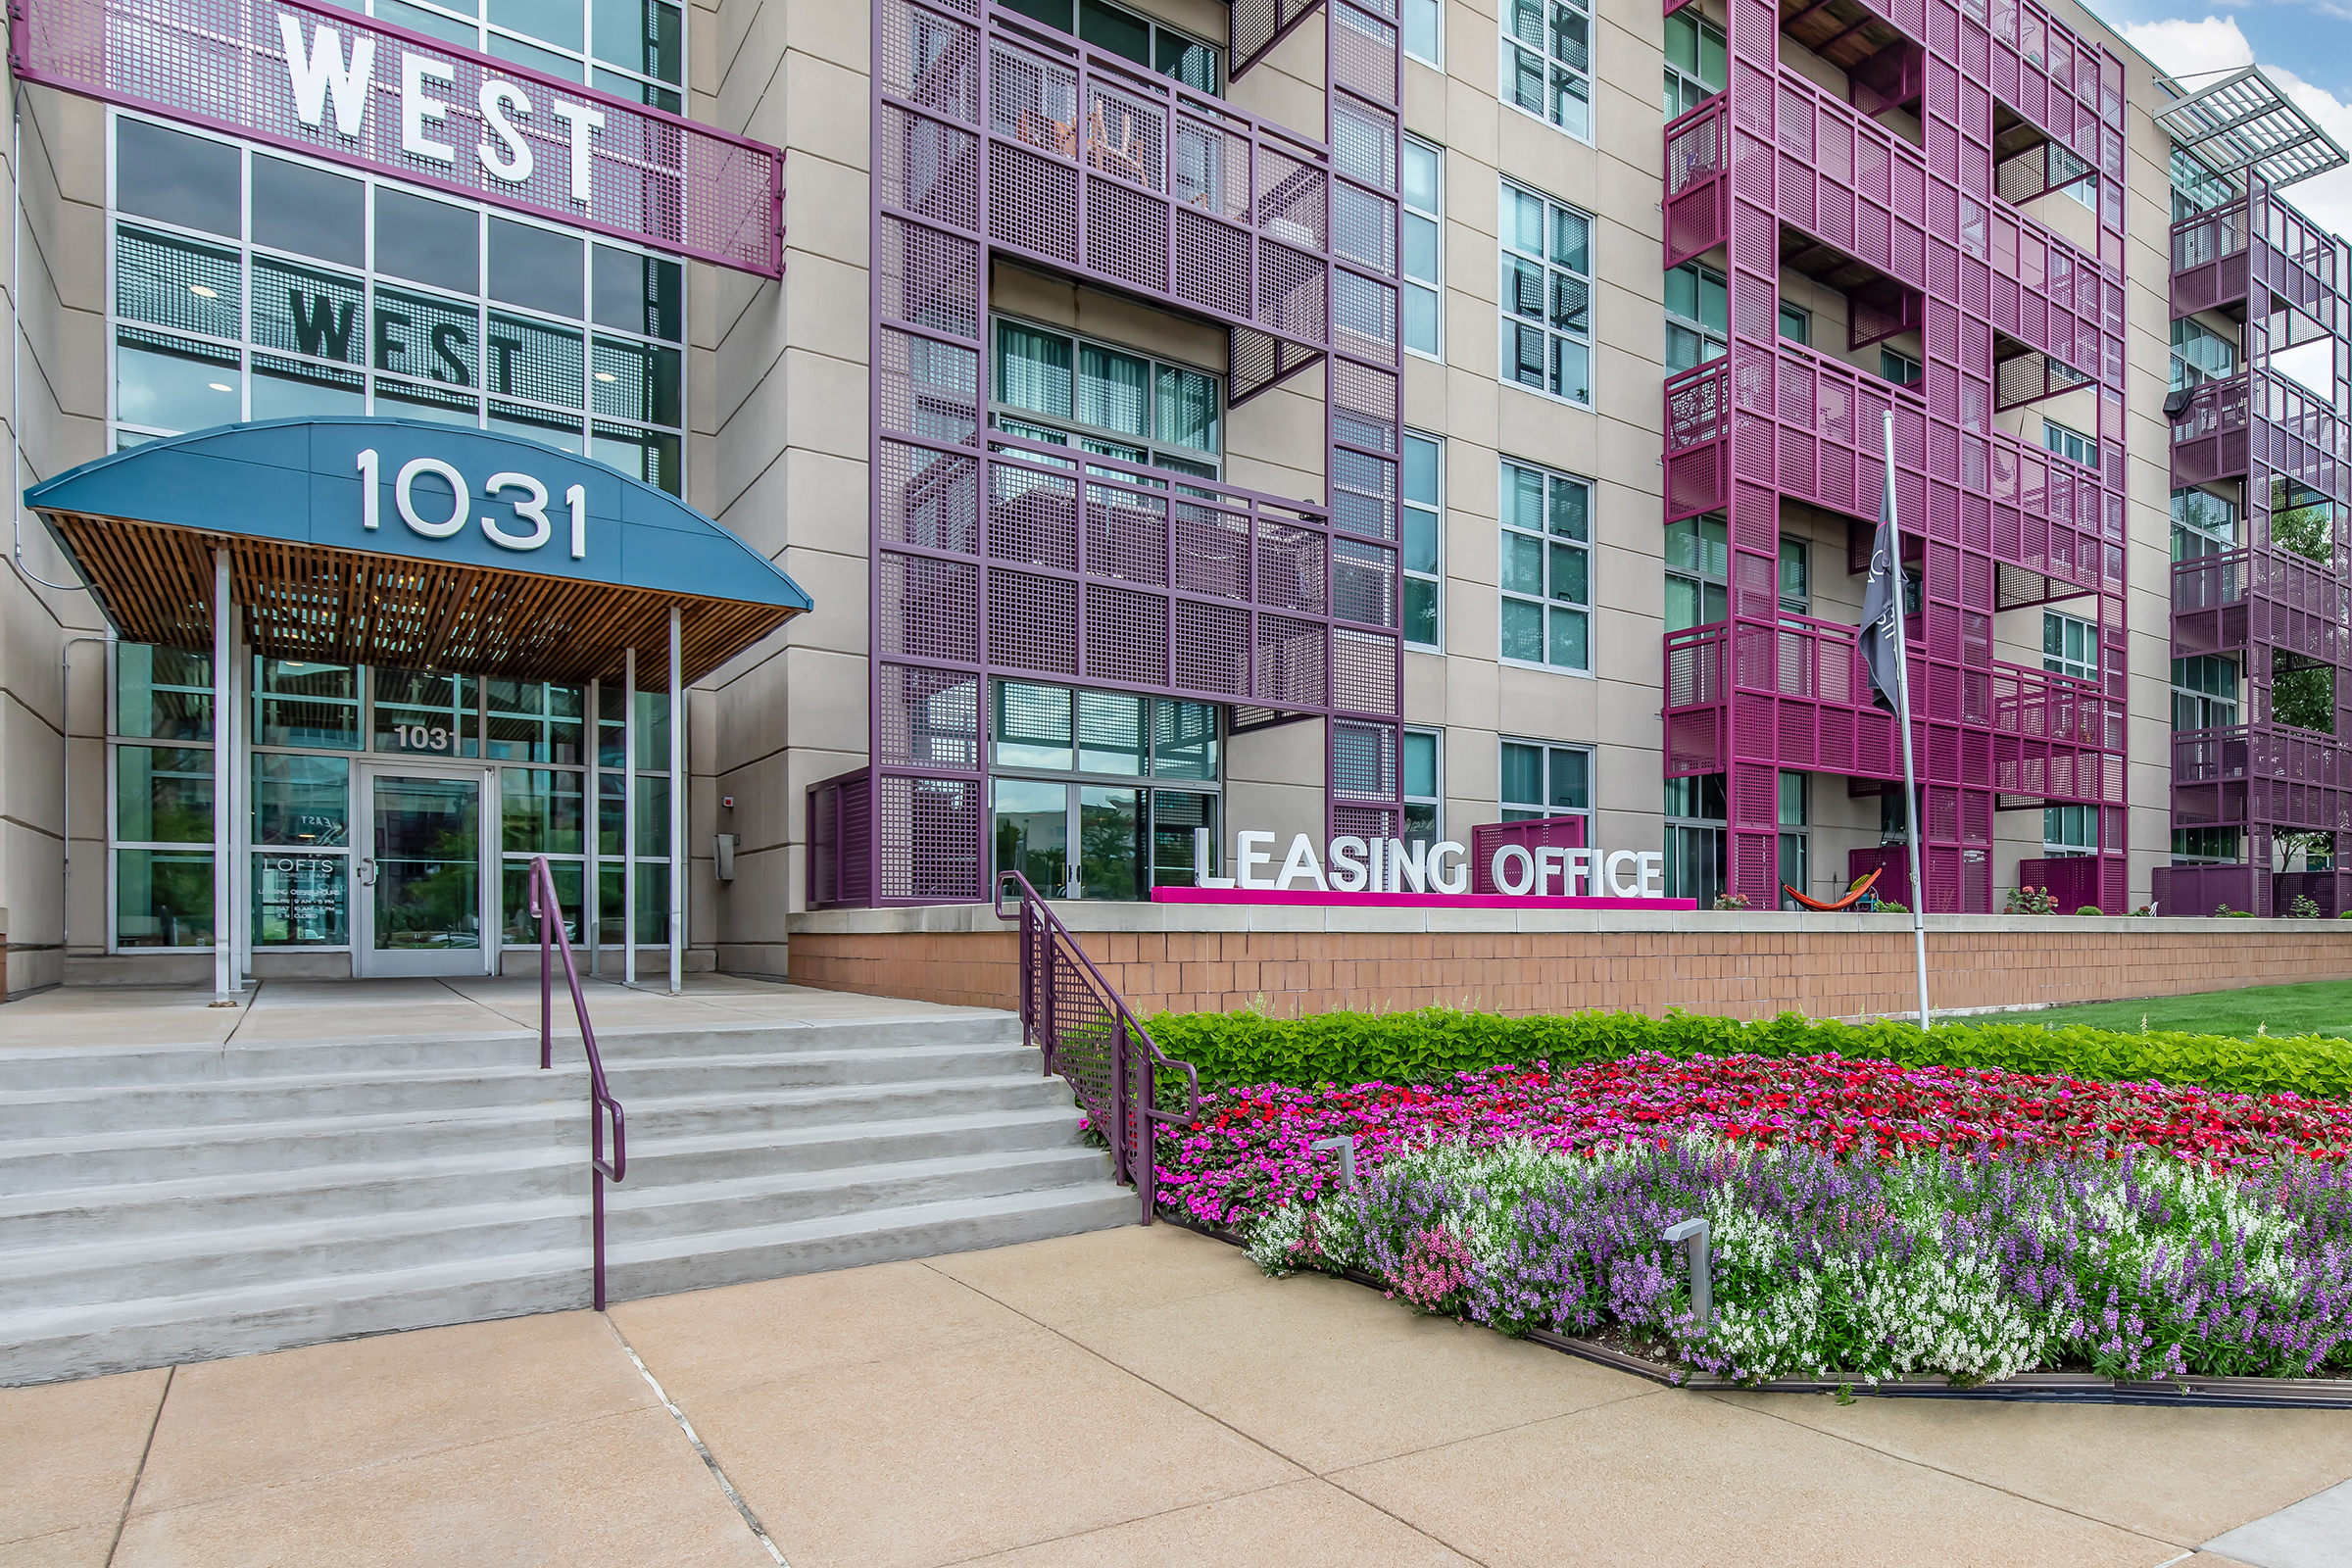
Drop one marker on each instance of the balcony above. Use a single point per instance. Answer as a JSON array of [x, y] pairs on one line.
[[2258, 417], [2246, 775], [1090, 165]]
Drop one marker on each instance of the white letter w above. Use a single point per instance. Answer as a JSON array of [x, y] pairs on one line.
[[315, 73]]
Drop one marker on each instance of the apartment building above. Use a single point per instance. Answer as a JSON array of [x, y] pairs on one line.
[[1165, 419]]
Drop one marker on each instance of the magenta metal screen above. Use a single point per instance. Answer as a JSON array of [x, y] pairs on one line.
[[1780, 174], [645, 175], [995, 137]]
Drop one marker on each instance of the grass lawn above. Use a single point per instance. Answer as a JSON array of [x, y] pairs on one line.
[[2322, 1007]]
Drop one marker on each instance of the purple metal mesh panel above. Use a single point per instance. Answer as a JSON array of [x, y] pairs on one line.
[[1542, 832], [924, 832], [1363, 761], [1363, 584], [922, 606], [1291, 663], [926, 719], [1033, 622], [1364, 671], [927, 498], [1126, 636], [1211, 645], [646, 176], [1126, 534]]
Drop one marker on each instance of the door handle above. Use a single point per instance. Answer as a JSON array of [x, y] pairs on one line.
[[365, 872]]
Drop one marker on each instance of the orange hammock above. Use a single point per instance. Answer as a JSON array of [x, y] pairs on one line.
[[1854, 891]]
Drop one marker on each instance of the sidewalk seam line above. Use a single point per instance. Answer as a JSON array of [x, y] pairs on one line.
[[710, 1459], [1249, 1438], [1957, 1475], [122, 1521]]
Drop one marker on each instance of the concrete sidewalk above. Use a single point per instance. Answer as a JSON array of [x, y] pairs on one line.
[[1133, 1396]]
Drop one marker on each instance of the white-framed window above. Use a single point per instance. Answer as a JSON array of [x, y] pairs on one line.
[[1424, 535], [1547, 295], [2205, 692], [634, 48], [2069, 831], [1546, 568], [2203, 524], [1698, 558], [1795, 843], [1697, 316], [1425, 32], [1068, 391], [1797, 323], [1900, 368], [1548, 62], [1116, 30], [2070, 443], [1424, 786], [248, 285], [1696, 68], [2199, 355], [2070, 646], [1423, 259], [1541, 778]]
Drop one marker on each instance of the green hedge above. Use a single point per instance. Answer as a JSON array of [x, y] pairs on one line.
[[1351, 1048]]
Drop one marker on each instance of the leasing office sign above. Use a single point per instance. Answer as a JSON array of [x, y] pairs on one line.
[[335, 86]]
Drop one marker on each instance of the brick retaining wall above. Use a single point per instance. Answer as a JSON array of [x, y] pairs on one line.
[[1187, 958]]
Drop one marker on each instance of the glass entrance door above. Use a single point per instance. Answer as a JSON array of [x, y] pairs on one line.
[[422, 891]]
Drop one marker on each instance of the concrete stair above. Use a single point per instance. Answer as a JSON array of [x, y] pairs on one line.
[[173, 1203]]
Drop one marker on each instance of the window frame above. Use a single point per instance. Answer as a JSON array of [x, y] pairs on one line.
[[1435, 10], [1805, 323], [1916, 369], [1514, 53], [2184, 691], [1680, 831], [2058, 823], [2185, 372], [1434, 578], [1717, 339], [660, 93], [1547, 543], [2066, 436], [1685, 81], [1154, 28], [1437, 801], [1794, 835], [1513, 321], [1526, 812], [998, 409], [2060, 662], [1706, 575], [373, 385], [1433, 287]]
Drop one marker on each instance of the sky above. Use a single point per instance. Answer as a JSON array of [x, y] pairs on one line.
[[2303, 45]]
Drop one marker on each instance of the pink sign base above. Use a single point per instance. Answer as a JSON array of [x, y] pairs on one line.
[[1407, 900]]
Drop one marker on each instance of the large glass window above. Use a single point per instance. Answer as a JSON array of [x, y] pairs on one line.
[[1546, 568], [1696, 833], [267, 288], [1068, 391], [1548, 62], [1098, 795], [2204, 692], [1424, 34], [2070, 646], [1698, 555], [2203, 524], [1116, 29], [1541, 779], [1900, 368], [2199, 355], [2205, 846], [1696, 67], [2069, 831], [1424, 529], [2070, 443], [635, 49], [1547, 296], [1424, 212], [1697, 316]]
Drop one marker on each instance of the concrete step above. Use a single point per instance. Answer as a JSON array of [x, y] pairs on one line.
[[707, 1208], [732, 1155], [792, 1109], [874, 1236]]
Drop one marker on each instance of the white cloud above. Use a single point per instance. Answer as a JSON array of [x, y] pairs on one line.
[[2190, 50]]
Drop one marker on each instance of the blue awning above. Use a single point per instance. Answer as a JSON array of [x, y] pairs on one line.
[[350, 540]]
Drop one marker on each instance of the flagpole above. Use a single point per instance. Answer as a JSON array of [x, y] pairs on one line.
[[1902, 720]]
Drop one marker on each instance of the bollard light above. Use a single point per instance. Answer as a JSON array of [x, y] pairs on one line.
[[1691, 1235], [1346, 1144]]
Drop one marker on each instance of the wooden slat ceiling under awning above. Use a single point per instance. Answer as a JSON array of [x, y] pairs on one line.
[[348, 606]]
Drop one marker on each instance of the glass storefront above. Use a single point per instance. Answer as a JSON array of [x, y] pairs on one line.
[[393, 810], [1098, 795]]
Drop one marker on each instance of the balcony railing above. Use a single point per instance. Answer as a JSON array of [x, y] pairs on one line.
[[2219, 254], [2260, 416]]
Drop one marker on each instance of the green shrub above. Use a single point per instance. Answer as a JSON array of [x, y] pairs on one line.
[[1351, 1048], [2091, 909]]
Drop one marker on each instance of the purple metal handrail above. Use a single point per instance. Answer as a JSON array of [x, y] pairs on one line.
[[554, 939], [1119, 1093]]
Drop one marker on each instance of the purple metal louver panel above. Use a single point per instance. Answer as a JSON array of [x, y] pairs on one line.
[[334, 84], [994, 555], [1780, 174]]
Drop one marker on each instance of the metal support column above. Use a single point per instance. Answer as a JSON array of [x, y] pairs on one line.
[[225, 980], [677, 804], [628, 818]]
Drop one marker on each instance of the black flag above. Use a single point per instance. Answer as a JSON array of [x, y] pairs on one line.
[[1882, 603]]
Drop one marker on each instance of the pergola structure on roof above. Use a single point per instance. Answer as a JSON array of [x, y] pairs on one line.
[[2244, 124]]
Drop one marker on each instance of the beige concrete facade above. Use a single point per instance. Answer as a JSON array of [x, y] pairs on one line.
[[778, 441]]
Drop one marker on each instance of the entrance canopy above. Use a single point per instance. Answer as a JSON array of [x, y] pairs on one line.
[[402, 543]]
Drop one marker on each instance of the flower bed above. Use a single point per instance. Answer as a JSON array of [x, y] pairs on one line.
[[1867, 1219]]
